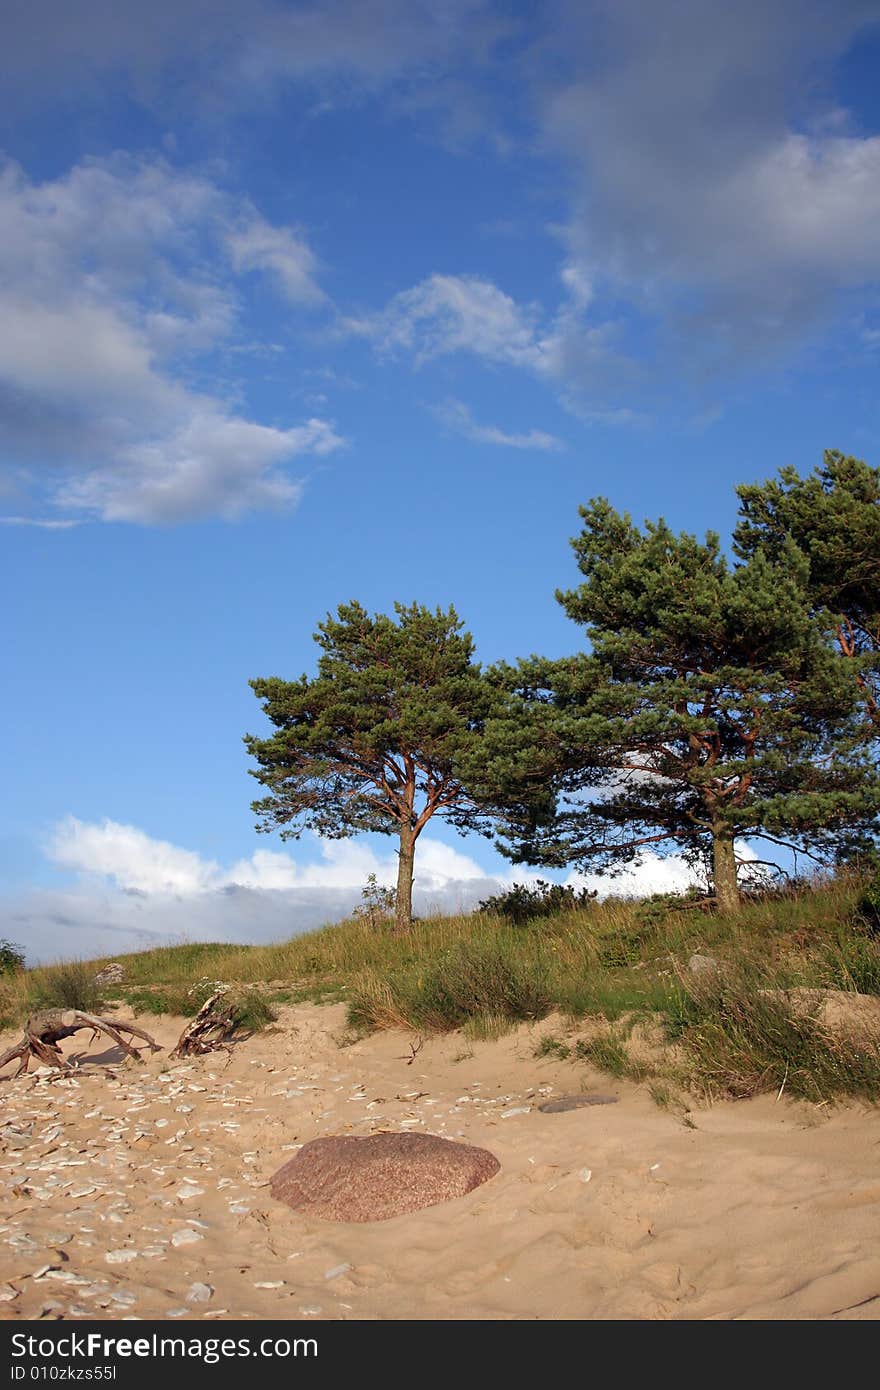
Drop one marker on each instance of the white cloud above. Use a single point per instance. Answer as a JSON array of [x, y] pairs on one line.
[[578, 284], [113, 278], [650, 873], [133, 860], [448, 314], [445, 314], [214, 463], [260, 246], [134, 891], [44, 525], [457, 416], [130, 858]]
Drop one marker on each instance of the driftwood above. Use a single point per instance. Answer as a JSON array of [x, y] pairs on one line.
[[212, 1028], [43, 1032]]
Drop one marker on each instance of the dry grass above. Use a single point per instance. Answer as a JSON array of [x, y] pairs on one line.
[[620, 961]]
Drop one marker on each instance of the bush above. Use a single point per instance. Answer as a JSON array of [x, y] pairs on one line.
[[251, 1010], [377, 903], [525, 901], [655, 909], [150, 1001], [11, 957], [610, 1054], [868, 905], [472, 981], [68, 986]]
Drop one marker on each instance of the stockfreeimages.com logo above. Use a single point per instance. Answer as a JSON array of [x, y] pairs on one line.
[[96, 1347]]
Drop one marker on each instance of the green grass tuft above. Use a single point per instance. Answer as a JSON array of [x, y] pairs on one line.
[[68, 986]]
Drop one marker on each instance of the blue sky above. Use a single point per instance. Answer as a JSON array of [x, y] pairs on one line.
[[306, 302]]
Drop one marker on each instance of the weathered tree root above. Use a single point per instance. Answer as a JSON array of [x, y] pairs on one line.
[[43, 1032], [212, 1028]]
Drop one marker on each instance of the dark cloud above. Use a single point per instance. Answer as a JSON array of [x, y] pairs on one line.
[[718, 182], [231, 49]]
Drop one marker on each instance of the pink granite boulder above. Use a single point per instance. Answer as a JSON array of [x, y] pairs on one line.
[[377, 1176]]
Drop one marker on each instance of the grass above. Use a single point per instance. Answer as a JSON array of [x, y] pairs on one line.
[[67, 986], [619, 963], [551, 1046], [744, 1036], [610, 1054]]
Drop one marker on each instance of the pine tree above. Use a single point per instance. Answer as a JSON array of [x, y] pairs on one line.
[[711, 708], [833, 517], [374, 742]]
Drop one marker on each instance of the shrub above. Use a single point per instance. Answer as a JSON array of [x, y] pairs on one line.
[[480, 979], [470, 981], [525, 901], [610, 1054], [11, 957], [377, 903], [149, 1001], [68, 986], [372, 1004], [549, 1046], [655, 909], [869, 902], [251, 1012]]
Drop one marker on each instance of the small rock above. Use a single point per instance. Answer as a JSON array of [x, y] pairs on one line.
[[561, 1103], [112, 974], [702, 965], [184, 1194], [16, 1138], [517, 1110], [335, 1272], [186, 1237], [120, 1257], [585, 1174], [270, 1284], [199, 1293]]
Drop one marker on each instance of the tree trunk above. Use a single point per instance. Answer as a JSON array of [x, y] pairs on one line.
[[724, 869], [403, 902]]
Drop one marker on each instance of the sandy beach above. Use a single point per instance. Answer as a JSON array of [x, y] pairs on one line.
[[144, 1193]]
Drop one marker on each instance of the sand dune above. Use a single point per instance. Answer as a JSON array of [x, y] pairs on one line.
[[146, 1196]]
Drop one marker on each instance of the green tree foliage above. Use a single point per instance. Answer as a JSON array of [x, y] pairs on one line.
[[833, 517], [12, 957], [375, 742], [711, 707]]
